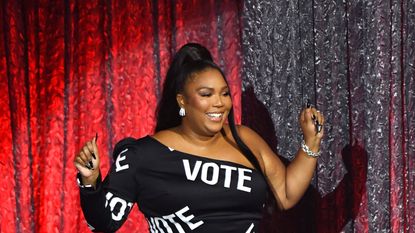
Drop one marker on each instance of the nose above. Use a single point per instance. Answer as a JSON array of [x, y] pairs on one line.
[[218, 102]]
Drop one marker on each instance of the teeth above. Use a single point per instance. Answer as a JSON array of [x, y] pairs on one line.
[[214, 114]]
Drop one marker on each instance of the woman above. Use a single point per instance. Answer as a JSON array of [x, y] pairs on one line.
[[196, 173]]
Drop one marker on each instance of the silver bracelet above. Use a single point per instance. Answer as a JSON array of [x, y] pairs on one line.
[[80, 184], [309, 152]]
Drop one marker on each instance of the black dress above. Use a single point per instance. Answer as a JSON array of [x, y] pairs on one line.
[[176, 191]]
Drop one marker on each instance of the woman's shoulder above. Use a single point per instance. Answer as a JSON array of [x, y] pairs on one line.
[[244, 131], [167, 136], [251, 138], [132, 143]]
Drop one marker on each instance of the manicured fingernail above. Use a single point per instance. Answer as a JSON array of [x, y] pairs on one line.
[[87, 165], [96, 138], [318, 126]]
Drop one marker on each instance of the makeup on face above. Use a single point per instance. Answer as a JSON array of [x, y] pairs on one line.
[[207, 99]]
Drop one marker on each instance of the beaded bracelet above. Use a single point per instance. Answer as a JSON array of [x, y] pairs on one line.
[[309, 152]]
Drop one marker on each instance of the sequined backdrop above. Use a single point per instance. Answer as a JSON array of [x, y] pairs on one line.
[[71, 68], [355, 60]]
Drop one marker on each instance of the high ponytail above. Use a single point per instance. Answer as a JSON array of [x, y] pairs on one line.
[[168, 109]]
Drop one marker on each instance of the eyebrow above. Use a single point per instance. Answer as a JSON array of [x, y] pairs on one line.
[[211, 88]]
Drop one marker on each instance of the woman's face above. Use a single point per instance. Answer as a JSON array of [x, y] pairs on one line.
[[207, 102]]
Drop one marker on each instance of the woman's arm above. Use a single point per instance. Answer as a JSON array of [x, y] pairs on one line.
[[288, 183], [106, 204]]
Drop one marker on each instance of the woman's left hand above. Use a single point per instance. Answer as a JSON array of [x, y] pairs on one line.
[[309, 117]]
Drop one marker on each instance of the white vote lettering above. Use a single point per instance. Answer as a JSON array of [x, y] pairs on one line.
[[191, 175], [242, 177], [186, 219], [165, 225], [176, 224], [228, 175], [113, 202], [209, 173], [215, 173], [120, 157], [182, 217]]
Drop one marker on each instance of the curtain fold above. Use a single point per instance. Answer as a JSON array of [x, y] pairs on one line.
[[355, 61], [70, 69]]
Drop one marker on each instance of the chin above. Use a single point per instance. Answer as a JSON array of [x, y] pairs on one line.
[[214, 129]]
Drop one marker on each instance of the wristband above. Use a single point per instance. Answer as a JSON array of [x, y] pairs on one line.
[[309, 152], [81, 185]]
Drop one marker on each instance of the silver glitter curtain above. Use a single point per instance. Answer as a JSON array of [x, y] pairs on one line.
[[355, 61]]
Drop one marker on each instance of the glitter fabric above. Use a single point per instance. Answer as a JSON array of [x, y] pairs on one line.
[[71, 68], [355, 60]]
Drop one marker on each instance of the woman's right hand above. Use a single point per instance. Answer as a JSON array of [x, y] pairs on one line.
[[86, 157]]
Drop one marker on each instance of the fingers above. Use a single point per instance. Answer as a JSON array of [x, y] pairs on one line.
[[87, 156], [319, 122], [320, 117], [80, 168], [316, 115], [309, 115], [313, 121], [82, 161], [91, 149], [94, 146]]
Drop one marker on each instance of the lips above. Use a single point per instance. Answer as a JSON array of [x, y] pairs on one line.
[[215, 116]]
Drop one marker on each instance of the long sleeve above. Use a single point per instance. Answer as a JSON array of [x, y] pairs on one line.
[[107, 206]]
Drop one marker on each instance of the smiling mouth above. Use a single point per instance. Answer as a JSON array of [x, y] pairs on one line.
[[215, 116]]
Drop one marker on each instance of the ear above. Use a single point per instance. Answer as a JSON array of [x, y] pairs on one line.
[[180, 99]]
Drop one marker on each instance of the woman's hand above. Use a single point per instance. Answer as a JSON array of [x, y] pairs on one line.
[[87, 162], [309, 117]]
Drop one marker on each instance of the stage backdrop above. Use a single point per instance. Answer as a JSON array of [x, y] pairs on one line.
[[73, 68]]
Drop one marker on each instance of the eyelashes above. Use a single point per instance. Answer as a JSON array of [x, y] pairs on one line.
[[205, 94], [210, 94]]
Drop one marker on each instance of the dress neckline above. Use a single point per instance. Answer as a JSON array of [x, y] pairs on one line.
[[195, 156]]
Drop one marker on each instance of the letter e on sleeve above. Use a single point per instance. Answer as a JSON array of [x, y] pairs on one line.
[[121, 178]]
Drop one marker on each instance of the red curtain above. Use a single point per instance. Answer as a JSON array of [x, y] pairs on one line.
[[73, 68]]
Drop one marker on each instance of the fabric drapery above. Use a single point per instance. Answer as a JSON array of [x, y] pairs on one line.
[[355, 61], [70, 69]]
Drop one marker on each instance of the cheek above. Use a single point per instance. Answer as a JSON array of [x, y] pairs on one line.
[[198, 103], [228, 102]]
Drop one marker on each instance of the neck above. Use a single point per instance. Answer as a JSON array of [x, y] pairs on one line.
[[196, 138]]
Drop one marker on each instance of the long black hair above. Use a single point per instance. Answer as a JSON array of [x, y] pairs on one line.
[[190, 59], [168, 108]]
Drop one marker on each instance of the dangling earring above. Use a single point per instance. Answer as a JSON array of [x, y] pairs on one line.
[[182, 112]]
